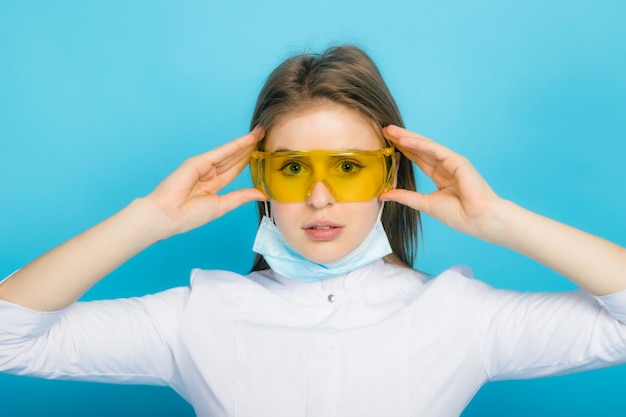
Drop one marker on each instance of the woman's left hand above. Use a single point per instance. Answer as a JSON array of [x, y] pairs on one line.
[[463, 199]]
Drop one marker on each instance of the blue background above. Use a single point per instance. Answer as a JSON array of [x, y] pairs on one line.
[[99, 100]]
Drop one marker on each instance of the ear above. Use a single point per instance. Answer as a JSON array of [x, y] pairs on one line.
[[398, 158]]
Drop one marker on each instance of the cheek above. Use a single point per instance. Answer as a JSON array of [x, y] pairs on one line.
[[365, 215], [285, 215]]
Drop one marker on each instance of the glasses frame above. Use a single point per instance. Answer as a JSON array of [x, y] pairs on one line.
[[387, 156]]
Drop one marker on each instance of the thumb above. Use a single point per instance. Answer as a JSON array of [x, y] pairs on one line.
[[413, 199], [234, 199]]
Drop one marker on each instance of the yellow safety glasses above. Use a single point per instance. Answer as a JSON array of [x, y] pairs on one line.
[[289, 176]]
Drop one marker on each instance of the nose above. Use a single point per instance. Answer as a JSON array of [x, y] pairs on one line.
[[320, 196]]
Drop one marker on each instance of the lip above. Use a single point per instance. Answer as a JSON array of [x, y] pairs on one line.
[[323, 230]]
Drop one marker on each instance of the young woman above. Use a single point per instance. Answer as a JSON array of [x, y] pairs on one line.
[[333, 320]]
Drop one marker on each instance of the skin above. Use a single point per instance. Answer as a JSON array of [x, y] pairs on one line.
[[465, 202], [322, 229], [189, 198]]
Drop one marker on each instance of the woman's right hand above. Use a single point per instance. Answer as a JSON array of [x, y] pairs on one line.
[[189, 198], [186, 199]]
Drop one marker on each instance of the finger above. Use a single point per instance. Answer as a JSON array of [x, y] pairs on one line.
[[209, 172], [430, 156], [224, 163], [413, 199], [395, 131], [206, 208], [412, 143], [415, 147], [231, 153], [244, 151], [237, 198]]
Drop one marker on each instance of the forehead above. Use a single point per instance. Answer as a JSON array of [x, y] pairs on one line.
[[329, 127]]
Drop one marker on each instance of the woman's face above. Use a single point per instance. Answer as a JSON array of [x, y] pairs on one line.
[[322, 229]]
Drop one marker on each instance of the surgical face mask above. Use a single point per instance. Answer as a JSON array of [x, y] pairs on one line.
[[284, 260], [289, 176]]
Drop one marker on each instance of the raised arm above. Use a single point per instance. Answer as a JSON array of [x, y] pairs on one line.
[[466, 202], [185, 200]]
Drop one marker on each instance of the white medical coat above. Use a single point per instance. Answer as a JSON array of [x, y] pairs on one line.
[[380, 341]]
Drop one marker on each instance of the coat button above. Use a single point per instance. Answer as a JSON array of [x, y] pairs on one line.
[[331, 298]]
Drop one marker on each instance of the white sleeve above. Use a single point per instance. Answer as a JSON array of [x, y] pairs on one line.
[[615, 304], [120, 341], [529, 335]]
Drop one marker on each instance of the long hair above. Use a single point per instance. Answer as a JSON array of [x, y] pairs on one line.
[[347, 76]]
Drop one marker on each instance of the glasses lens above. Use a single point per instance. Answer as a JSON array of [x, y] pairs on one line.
[[349, 175]]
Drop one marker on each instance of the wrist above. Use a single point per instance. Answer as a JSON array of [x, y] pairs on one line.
[[498, 226], [148, 221]]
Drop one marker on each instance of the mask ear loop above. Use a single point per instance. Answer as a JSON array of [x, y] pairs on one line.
[[380, 212], [267, 211]]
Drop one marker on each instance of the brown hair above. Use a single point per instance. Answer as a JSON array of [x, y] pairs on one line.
[[347, 76]]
